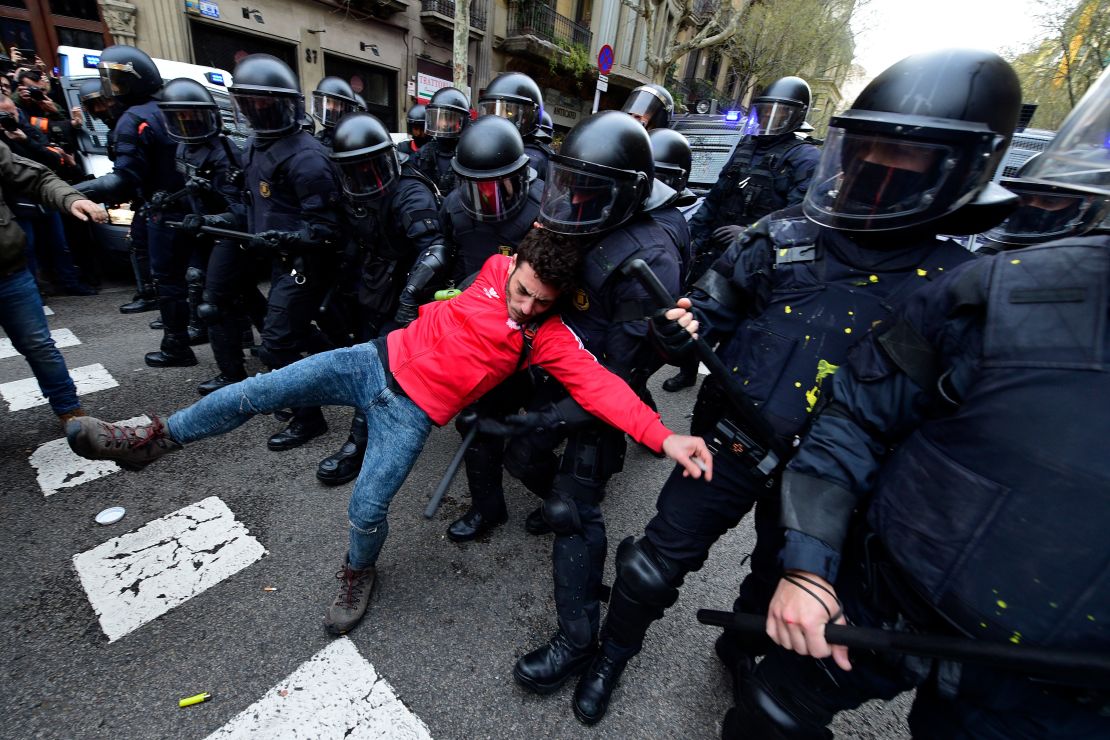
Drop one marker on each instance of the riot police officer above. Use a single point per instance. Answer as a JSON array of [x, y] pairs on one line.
[[673, 158], [414, 124], [769, 170], [332, 98], [545, 132], [652, 105], [212, 166], [788, 299], [144, 165], [494, 206], [517, 97], [445, 117], [601, 190], [984, 380], [291, 192], [390, 212]]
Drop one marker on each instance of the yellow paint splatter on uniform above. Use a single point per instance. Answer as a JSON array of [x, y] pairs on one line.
[[824, 370], [782, 252], [851, 313], [848, 330], [873, 278], [1001, 604], [1015, 638], [1054, 605], [1091, 617], [983, 625], [1015, 262], [797, 384], [788, 309], [922, 273]]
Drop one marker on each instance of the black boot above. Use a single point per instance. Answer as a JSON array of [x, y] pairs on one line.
[[174, 352], [224, 338], [547, 668], [308, 423], [214, 384], [686, 377], [140, 303], [344, 465], [157, 325], [591, 696], [473, 524]]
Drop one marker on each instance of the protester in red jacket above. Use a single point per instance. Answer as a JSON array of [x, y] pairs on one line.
[[421, 375]]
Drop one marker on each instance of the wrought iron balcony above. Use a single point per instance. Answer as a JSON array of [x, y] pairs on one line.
[[541, 21], [445, 10]]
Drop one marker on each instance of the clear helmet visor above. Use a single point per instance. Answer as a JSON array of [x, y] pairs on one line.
[[771, 119], [579, 202], [523, 115], [190, 125], [1079, 156], [371, 176], [267, 114], [870, 182], [443, 122], [644, 106], [328, 109], [117, 80], [1048, 213], [493, 200], [673, 177]]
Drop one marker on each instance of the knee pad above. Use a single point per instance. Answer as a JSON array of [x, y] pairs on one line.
[[561, 514], [646, 576], [763, 714], [209, 313], [194, 277]]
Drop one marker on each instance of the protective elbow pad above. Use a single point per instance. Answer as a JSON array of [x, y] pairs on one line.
[[816, 507]]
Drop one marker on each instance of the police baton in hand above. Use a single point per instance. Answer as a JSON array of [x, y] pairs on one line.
[[1071, 667], [471, 419], [762, 450], [241, 236]]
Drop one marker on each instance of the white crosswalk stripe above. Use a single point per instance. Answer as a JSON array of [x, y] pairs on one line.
[[61, 337], [48, 310], [58, 467], [335, 694], [141, 575], [702, 369], [24, 394]]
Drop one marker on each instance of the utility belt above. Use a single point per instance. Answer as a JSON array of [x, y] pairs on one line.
[[725, 436]]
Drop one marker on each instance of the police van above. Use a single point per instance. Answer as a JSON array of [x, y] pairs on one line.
[[80, 65]]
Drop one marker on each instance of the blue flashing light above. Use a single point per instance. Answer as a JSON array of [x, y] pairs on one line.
[[215, 78], [732, 116], [91, 60]]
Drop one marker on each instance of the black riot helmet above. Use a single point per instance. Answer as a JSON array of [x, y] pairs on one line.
[[919, 146], [361, 103], [651, 105], [91, 95], [266, 92], [515, 96], [446, 114], [332, 98], [414, 120], [603, 175], [673, 158], [190, 110], [781, 109], [128, 74], [545, 132], [363, 151], [492, 169], [1065, 190]]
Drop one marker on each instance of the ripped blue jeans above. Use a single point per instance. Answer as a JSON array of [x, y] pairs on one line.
[[352, 376]]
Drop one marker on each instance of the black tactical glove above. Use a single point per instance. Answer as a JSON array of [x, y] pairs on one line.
[[723, 236], [670, 337], [197, 185], [158, 201], [407, 310], [191, 223], [280, 240]]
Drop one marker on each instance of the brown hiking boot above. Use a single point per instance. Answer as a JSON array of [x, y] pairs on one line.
[[67, 416], [355, 588], [131, 447]]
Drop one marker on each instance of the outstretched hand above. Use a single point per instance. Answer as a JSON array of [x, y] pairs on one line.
[[797, 617], [691, 453], [86, 210]]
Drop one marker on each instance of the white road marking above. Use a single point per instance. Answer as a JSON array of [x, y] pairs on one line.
[[61, 337], [48, 310], [702, 369], [59, 467], [141, 575], [24, 394], [334, 694]]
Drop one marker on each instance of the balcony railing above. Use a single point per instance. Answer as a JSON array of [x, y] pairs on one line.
[[447, 8], [533, 19]]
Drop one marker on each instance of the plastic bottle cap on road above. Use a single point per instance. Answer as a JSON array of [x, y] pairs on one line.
[[110, 515]]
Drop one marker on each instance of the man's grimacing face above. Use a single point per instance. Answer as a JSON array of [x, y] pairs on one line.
[[526, 296]]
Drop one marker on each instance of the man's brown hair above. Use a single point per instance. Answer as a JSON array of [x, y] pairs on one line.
[[555, 258]]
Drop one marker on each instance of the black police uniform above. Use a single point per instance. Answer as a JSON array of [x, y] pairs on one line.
[[983, 483], [538, 156], [763, 175], [434, 162], [476, 241], [291, 186], [786, 301]]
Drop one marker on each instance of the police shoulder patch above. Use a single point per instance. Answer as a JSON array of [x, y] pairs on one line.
[[264, 189], [581, 300], [506, 250]]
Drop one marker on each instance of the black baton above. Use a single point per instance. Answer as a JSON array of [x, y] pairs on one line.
[[1071, 667], [453, 468]]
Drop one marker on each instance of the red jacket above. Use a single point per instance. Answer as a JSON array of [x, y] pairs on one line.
[[460, 349]]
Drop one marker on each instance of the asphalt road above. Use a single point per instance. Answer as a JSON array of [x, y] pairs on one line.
[[445, 624]]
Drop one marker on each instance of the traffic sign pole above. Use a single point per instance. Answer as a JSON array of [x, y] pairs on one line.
[[604, 65]]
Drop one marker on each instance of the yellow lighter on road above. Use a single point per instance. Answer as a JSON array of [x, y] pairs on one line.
[[191, 700]]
